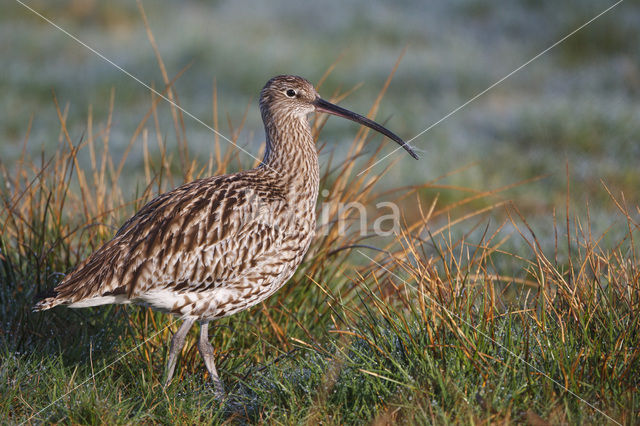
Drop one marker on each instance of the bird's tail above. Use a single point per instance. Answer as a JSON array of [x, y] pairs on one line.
[[47, 303]]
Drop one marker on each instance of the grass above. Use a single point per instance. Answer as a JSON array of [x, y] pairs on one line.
[[444, 323]]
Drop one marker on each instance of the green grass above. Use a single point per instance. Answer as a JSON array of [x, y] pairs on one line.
[[387, 353]]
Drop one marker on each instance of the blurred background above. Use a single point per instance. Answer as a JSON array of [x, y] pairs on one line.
[[578, 103]]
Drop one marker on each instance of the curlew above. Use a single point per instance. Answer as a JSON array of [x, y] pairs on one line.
[[219, 245]]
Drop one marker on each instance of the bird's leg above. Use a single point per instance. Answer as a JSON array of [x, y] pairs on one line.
[[206, 350], [177, 343]]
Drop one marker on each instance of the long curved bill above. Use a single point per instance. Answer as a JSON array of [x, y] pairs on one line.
[[324, 106]]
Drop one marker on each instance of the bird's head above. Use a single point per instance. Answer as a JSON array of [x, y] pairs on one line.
[[289, 96]]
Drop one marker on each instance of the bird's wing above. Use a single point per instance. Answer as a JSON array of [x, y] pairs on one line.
[[188, 237]]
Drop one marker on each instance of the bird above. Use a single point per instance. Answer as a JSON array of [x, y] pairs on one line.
[[218, 245]]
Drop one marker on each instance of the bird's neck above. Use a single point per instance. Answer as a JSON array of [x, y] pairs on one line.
[[291, 155]]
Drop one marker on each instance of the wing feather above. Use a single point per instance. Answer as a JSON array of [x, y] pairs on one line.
[[193, 237]]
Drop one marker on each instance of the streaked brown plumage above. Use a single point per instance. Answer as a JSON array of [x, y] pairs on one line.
[[219, 245]]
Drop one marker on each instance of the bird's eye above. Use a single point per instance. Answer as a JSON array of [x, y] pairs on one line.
[[291, 93]]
